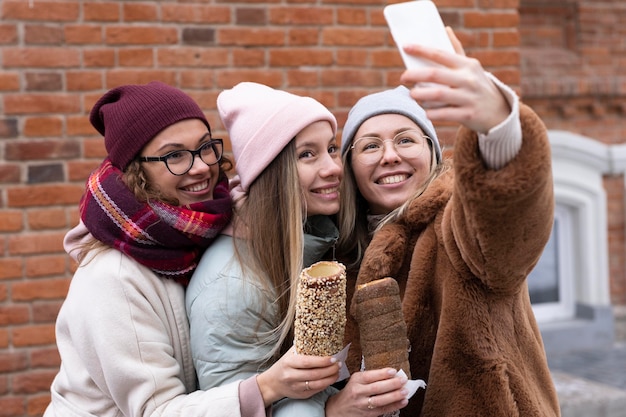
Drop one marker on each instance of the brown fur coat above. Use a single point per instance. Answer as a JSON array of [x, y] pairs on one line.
[[461, 255]]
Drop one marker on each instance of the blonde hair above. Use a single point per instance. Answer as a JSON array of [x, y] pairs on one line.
[[272, 216], [354, 229]]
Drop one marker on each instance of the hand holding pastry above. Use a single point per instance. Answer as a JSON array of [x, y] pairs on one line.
[[297, 376], [369, 393]]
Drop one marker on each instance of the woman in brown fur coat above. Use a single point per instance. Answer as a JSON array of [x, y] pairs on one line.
[[459, 237]]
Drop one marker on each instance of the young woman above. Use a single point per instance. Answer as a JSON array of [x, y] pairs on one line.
[[459, 237], [149, 211], [241, 300]]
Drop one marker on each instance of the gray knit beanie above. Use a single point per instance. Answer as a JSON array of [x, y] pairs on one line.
[[395, 101]]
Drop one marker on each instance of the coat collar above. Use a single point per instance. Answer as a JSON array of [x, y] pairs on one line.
[[423, 209]]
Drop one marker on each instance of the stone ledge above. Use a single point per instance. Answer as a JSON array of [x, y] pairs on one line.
[[581, 397]]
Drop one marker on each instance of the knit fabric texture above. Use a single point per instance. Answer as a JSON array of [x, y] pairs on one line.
[[129, 117], [261, 121], [167, 239], [394, 101]]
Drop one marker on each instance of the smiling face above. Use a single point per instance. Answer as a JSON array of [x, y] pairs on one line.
[[387, 184], [319, 168], [196, 185]]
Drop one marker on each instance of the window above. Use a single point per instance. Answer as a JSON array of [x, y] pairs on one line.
[[569, 287], [551, 283]]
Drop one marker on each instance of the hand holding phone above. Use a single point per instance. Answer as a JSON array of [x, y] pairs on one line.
[[417, 22]]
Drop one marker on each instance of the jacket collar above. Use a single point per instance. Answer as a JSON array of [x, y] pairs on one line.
[[320, 235]]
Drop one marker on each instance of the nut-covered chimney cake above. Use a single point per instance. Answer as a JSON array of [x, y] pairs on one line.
[[321, 309], [383, 332]]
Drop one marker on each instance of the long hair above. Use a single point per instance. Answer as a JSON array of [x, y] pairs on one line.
[[355, 232], [352, 217], [272, 216]]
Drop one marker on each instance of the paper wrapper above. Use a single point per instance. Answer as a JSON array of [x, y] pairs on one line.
[[412, 385], [321, 309]]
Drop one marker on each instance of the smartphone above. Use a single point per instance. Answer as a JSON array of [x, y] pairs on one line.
[[417, 22]]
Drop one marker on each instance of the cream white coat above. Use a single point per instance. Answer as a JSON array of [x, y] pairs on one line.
[[123, 337]]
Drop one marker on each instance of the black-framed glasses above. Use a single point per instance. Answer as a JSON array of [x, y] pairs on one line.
[[369, 150], [180, 162]]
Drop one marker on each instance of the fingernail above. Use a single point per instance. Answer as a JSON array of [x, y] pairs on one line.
[[333, 359], [392, 372]]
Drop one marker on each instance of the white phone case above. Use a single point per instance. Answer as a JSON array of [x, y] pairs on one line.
[[417, 22]]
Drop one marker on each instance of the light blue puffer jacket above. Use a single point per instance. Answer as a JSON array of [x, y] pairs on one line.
[[229, 312]]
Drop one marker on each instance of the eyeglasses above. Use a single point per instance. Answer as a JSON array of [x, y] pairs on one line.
[[180, 162], [369, 150]]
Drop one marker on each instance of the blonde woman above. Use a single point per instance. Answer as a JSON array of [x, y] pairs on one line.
[[241, 299], [459, 236]]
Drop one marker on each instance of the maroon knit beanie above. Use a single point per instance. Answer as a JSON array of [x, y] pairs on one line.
[[129, 117]]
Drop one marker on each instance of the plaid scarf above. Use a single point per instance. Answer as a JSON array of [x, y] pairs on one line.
[[167, 239]]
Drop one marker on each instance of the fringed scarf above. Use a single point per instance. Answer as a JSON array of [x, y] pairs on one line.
[[167, 239]]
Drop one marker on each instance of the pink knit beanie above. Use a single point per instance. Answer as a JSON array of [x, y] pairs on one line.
[[261, 121], [129, 117]]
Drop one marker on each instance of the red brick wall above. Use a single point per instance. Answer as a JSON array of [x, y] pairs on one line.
[[57, 57], [572, 66], [573, 55]]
